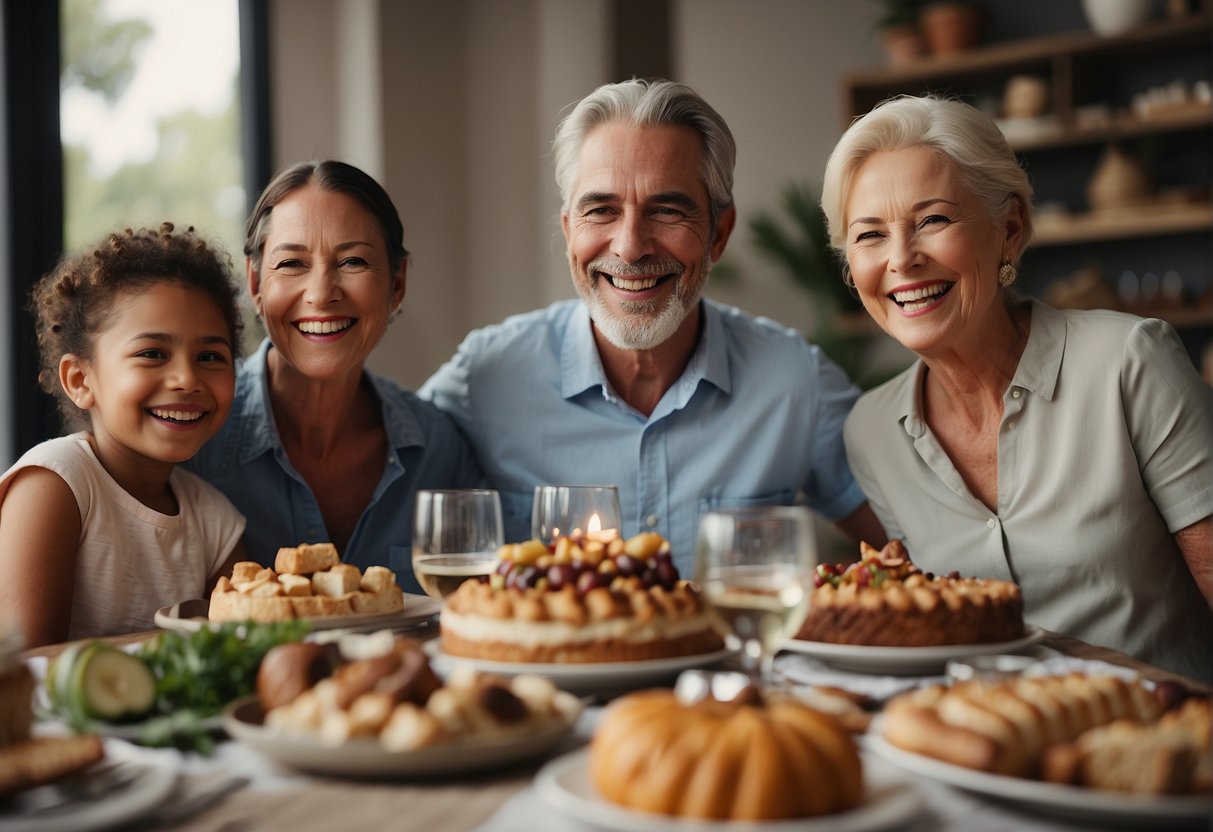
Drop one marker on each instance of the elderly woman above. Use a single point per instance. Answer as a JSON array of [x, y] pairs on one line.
[[317, 448], [1070, 451]]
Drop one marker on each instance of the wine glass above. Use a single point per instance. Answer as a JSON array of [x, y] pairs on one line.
[[590, 511], [755, 570], [456, 536]]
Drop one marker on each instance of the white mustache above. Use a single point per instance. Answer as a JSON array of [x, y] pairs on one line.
[[642, 268]]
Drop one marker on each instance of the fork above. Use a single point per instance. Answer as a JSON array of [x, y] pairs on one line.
[[81, 787]]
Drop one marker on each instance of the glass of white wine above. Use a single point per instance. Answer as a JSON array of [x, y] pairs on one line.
[[755, 568], [456, 536], [575, 511]]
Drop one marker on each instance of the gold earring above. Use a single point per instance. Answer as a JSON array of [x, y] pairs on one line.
[[1007, 274]]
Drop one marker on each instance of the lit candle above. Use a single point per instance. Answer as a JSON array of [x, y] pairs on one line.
[[594, 530]]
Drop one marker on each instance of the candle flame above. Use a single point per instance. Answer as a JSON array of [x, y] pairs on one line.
[[594, 525]]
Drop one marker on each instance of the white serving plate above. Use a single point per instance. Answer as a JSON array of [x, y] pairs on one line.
[[193, 614], [584, 678], [890, 799], [905, 661], [154, 779], [1070, 802], [366, 758]]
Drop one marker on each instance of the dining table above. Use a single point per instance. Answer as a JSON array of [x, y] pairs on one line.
[[250, 793]]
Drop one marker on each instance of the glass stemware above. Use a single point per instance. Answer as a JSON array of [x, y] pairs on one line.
[[755, 570], [456, 536], [575, 511]]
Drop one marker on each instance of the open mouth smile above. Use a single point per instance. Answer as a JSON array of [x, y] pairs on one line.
[[635, 284], [913, 300], [325, 327], [179, 416]]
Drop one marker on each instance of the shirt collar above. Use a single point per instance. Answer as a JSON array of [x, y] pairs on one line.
[[1040, 364], [257, 414], [1038, 368], [581, 365]]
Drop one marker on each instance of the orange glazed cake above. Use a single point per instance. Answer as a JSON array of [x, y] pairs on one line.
[[579, 600], [885, 600]]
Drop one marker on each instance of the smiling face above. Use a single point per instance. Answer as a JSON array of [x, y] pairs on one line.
[[161, 377], [639, 233], [923, 251], [326, 290]]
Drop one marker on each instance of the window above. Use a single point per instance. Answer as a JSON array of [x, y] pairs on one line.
[[150, 117], [73, 172]]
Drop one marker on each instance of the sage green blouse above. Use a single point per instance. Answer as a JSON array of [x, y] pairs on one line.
[[1105, 450]]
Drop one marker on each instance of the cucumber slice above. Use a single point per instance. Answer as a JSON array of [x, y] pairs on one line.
[[57, 674], [109, 684]]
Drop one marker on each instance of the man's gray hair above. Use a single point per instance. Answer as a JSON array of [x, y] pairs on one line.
[[649, 104]]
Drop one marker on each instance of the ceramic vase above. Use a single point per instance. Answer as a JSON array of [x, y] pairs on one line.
[[1115, 17], [1119, 180], [950, 27]]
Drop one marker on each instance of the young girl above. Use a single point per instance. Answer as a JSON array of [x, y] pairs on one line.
[[99, 529]]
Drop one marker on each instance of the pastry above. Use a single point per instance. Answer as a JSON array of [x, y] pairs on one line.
[[737, 760], [1006, 727], [25, 760], [885, 600], [321, 586], [1171, 756], [390, 694]]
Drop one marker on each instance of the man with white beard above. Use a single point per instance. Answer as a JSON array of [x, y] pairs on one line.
[[684, 404]]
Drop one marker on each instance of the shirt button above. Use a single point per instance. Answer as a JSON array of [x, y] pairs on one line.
[[992, 522], [1015, 394], [651, 520]]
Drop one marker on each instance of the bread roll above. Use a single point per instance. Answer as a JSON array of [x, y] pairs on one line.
[[306, 558]]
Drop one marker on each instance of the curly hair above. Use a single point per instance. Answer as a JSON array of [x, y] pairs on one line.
[[71, 302]]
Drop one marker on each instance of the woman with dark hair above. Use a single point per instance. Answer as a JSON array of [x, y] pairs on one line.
[[318, 448]]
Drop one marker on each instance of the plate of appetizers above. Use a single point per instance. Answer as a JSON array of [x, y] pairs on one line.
[[907, 661], [366, 757], [193, 614]]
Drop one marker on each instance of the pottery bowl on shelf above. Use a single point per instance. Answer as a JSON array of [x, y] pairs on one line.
[[1115, 17]]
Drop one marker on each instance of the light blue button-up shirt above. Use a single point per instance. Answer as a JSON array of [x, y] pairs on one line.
[[246, 461], [755, 419]]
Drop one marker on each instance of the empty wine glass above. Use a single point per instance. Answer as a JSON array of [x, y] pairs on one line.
[[755, 570], [575, 511], [456, 536]]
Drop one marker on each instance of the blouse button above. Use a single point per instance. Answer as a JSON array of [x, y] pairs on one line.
[[651, 520], [991, 522], [1015, 394]]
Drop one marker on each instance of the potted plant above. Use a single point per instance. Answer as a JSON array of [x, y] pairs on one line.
[[950, 26], [799, 242], [898, 27]]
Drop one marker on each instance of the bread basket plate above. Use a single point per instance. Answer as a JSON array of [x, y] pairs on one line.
[[890, 800], [193, 614], [905, 661], [366, 758], [588, 677], [147, 779], [1069, 802]]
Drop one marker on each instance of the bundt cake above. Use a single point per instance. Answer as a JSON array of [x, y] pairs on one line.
[[737, 760]]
